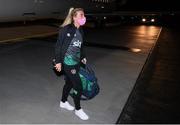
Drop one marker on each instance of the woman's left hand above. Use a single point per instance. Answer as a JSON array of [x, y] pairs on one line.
[[84, 61]]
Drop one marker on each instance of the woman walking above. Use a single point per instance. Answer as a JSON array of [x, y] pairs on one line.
[[69, 54]]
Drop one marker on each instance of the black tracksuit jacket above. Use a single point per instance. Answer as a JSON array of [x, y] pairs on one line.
[[65, 36]]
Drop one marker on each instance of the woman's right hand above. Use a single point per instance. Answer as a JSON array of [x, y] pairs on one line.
[[58, 67]]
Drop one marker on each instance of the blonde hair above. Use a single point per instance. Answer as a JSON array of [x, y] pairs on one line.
[[69, 18]]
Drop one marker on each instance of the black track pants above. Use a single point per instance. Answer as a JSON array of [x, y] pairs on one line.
[[72, 80]]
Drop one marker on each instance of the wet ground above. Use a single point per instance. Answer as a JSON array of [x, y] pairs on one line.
[[155, 97]]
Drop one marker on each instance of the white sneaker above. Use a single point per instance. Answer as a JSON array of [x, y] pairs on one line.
[[66, 105], [81, 114]]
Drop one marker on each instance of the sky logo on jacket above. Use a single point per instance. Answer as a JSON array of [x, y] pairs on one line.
[[77, 44]]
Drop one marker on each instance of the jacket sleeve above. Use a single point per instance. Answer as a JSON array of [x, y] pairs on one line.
[[83, 52], [58, 46]]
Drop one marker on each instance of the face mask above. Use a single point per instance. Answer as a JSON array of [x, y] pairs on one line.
[[82, 21]]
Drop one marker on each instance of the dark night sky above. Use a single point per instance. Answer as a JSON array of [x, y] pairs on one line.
[[151, 5]]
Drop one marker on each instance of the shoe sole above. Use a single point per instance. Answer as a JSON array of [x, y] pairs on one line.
[[81, 118], [66, 108]]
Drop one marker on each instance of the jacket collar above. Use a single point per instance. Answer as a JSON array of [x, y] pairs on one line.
[[73, 26]]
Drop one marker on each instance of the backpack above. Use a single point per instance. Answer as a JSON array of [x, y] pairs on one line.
[[89, 83]]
